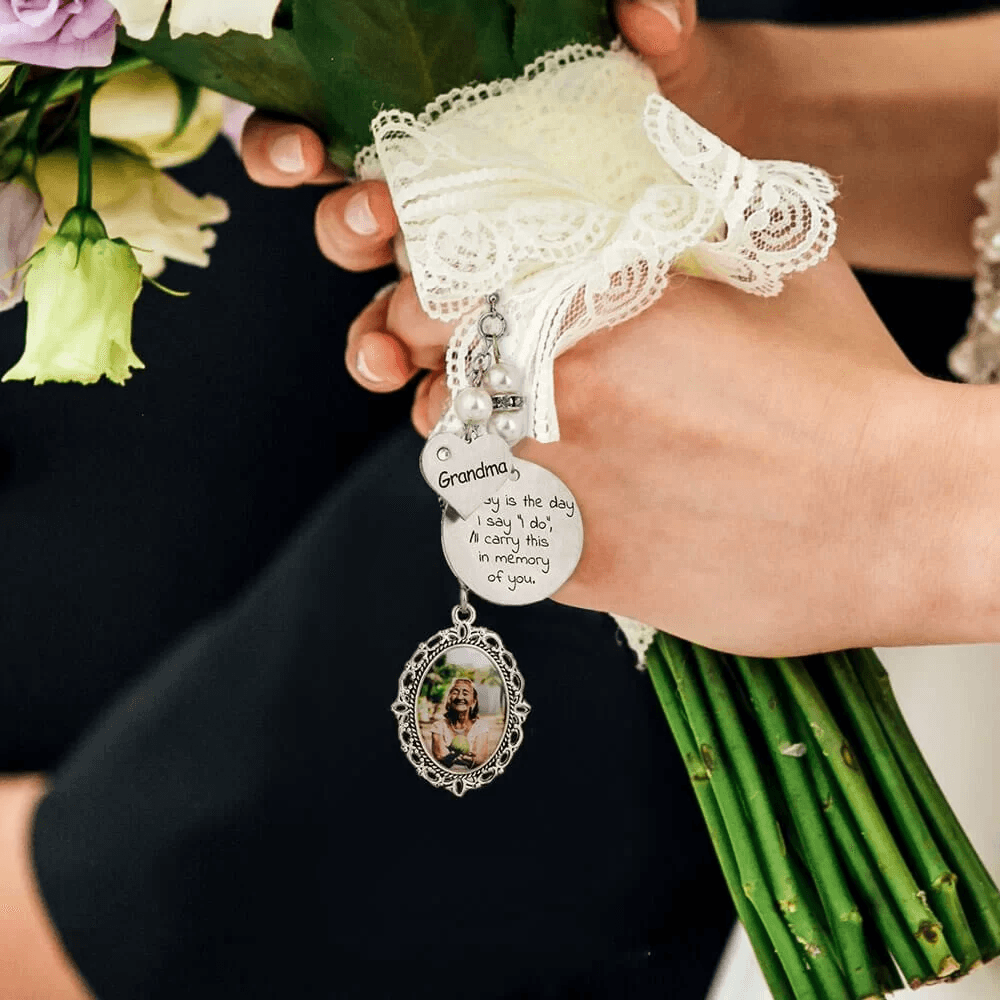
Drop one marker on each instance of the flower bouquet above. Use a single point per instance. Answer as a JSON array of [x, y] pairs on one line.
[[526, 152]]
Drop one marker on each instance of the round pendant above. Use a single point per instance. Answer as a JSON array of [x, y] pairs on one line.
[[521, 544], [460, 707]]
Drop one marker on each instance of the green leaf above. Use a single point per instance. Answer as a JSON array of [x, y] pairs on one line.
[[370, 54], [271, 74], [189, 92], [543, 25], [20, 76], [342, 61]]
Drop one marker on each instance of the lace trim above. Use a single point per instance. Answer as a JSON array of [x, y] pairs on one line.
[[574, 190], [976, 357], [638, 636]]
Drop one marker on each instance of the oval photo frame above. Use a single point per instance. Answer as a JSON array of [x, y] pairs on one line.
[[460, 709]]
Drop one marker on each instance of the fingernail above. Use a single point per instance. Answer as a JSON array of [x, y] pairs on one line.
[[358, 215], [286, 154], [437, 399], [385, 290], [669, 9], [364, 370]]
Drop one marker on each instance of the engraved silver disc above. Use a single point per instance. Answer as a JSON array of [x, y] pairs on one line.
[[460, 709], [522, 543]]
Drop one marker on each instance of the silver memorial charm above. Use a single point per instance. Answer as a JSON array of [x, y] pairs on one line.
[[460, 707], [522, 544], [511, 532], [464, 473]]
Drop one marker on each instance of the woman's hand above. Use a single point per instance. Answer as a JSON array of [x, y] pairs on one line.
[[762, 476], [33, 960], [354, 225], [758, 475], [745, 467], [690, 58], [902, 115]]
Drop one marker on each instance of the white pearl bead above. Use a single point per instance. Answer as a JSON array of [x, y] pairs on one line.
[[507, 426], [501, 378], [451, 423], [474, 406]]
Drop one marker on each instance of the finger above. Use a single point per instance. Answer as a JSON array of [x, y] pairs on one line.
[[285, 154], [424, 338], [429, 402], [657, 29], [355, 226], [376, 360]]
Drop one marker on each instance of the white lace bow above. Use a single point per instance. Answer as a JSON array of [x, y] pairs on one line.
[[573, 191]]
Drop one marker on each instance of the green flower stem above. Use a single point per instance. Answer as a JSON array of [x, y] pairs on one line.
[[794, 907], [820, 855], [924, 855], [865, 877], [21, 154], [29, 127], [755, 886], [68, 84], [919, 918], [975, 886], [86, 178], [666, 692]]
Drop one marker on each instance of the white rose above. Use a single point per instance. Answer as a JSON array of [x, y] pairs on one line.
[[138, 110], [137, 202], [192, 17]]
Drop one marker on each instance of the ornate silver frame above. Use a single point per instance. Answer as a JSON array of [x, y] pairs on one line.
[[462, 633]]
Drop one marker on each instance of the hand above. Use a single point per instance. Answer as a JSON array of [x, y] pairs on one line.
[[745, 469], [715, 72], [742, 465], [33, 961], [354, 225]]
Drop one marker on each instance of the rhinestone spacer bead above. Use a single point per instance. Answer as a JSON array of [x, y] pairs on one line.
[[508, 401]]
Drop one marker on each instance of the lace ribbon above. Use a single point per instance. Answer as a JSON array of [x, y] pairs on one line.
[[575, 190], [976, 357]]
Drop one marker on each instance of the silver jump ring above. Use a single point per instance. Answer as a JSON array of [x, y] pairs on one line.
[[464, 613], [493, 317]]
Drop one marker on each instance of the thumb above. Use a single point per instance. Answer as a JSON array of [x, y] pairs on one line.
[[659, 30]]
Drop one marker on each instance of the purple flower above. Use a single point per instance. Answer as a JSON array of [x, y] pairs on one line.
[[234, 117], [21, 218], [58, 33]]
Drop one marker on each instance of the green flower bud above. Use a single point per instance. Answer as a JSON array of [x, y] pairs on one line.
[[80, 290]]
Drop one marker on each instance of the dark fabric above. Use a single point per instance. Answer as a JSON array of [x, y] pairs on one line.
[[834, 11], [274, 840], [128, 513]]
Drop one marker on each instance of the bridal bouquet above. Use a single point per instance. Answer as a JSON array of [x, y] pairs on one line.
[[526, 151]]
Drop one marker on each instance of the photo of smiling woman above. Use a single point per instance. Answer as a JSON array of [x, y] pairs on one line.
[[462, 709]]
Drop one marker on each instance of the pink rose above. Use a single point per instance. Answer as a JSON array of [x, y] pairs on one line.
[[59, 33]]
